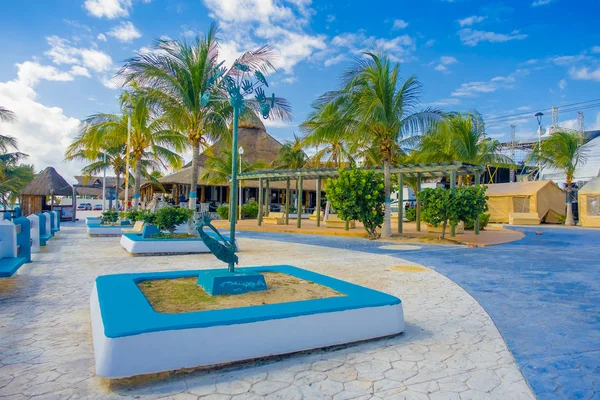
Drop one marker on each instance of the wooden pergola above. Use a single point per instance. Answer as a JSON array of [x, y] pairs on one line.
[[418, 171]]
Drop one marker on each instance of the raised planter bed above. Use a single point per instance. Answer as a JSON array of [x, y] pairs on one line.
[[93, 220], [136, 244], [131, 338], [107, 230]]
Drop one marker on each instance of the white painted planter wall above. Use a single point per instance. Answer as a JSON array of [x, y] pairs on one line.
[[35, 233], [48, 226], [163, 246], [8, 239], [185, 348], [107, 230]]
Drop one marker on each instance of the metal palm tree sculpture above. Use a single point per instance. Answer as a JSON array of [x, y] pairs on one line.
[[223, 251], [238, 83]]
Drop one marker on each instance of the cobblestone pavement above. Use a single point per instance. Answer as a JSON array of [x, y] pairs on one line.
[[451, 348]]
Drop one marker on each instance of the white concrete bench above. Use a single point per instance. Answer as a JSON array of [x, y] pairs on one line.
[[335, 222], [523, 219], [274, 218]]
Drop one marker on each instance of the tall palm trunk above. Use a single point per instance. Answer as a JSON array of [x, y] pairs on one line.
[[138, 178], [194, 180], [386, 231], [569, 221]]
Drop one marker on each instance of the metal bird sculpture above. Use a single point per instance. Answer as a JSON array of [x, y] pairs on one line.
[[222, 249]]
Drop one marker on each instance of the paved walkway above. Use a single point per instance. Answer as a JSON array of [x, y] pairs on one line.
[[542, 292], [451, 348]]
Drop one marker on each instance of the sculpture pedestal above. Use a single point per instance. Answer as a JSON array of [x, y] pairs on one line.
[[215, 282]]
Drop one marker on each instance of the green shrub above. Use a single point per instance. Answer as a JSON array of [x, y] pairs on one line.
[[168, 218], [109, 217], [148, 218], [358, 195], [249, 211], [411, 214], [450, 206], [484, 219], [223, 212], [135, 215], [561, 218]]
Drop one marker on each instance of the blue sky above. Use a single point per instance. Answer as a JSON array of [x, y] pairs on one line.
[[500, 57]]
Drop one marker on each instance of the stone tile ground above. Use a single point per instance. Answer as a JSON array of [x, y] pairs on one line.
[[451, 348]]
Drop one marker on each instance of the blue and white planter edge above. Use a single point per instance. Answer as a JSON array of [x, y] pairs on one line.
[[106, 230], [125, 327], [135, 244]]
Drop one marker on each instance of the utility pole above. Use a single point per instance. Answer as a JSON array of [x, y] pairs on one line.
[[580, 120], [513, 144]]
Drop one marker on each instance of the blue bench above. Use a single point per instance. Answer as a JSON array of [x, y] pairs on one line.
[[22, 230], [44, 234]]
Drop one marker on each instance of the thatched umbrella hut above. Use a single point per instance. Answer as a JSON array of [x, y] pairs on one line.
[[46, 183], [258, 145]]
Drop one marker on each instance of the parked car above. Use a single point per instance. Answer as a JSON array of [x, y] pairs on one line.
[[85, 207], [97, 207]]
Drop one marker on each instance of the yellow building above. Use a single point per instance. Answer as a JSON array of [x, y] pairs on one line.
[[543, 198], [589, 204]]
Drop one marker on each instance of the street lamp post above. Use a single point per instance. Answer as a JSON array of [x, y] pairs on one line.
[[241, 200], [539, 116], [104, 185], [129, 110]]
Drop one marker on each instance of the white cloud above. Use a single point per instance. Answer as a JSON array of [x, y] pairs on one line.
[[399, 24], [334, 60], [596, 49], [62, 52], [443, 63], [567, 60], [42, 132], [398, 49], [445, 102], [96, 60], [538, 3], [472, 20], [429, 43], [330, 18], [31, 72], [101, 37], [248, 22], [585, 73], [108, 8], [472, 89], [125, 32], [78, 70], [562, 84], [471, 37], [248, 10]]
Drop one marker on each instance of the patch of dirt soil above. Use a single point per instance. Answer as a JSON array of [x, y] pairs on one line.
[[173, 296]]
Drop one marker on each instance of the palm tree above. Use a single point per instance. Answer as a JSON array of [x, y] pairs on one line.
[[564, 151], [291, 155], [218, 168], [380, 110], [13, 176], [325, 130], [456, 138], [150, 137], [178, 75]]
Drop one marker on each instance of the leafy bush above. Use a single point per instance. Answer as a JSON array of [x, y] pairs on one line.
[[223, 212], [561, 218], [484, 219], [249, 211], [411, 214], [358, 195], [135, 215], [450, 206], [109, 217], [168, 218], [148, 218]]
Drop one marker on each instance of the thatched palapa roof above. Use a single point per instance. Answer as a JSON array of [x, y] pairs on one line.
[[48, 182]]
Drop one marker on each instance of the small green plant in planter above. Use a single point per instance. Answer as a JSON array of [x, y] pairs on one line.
[[168, 218], [249, 211], [109, 217], [223, 212], [358, 195], [135, 215], [450, 206], [148, 217], [484, 219], [411, 214]]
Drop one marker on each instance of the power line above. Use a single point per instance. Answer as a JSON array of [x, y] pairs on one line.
[[563, 108]]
